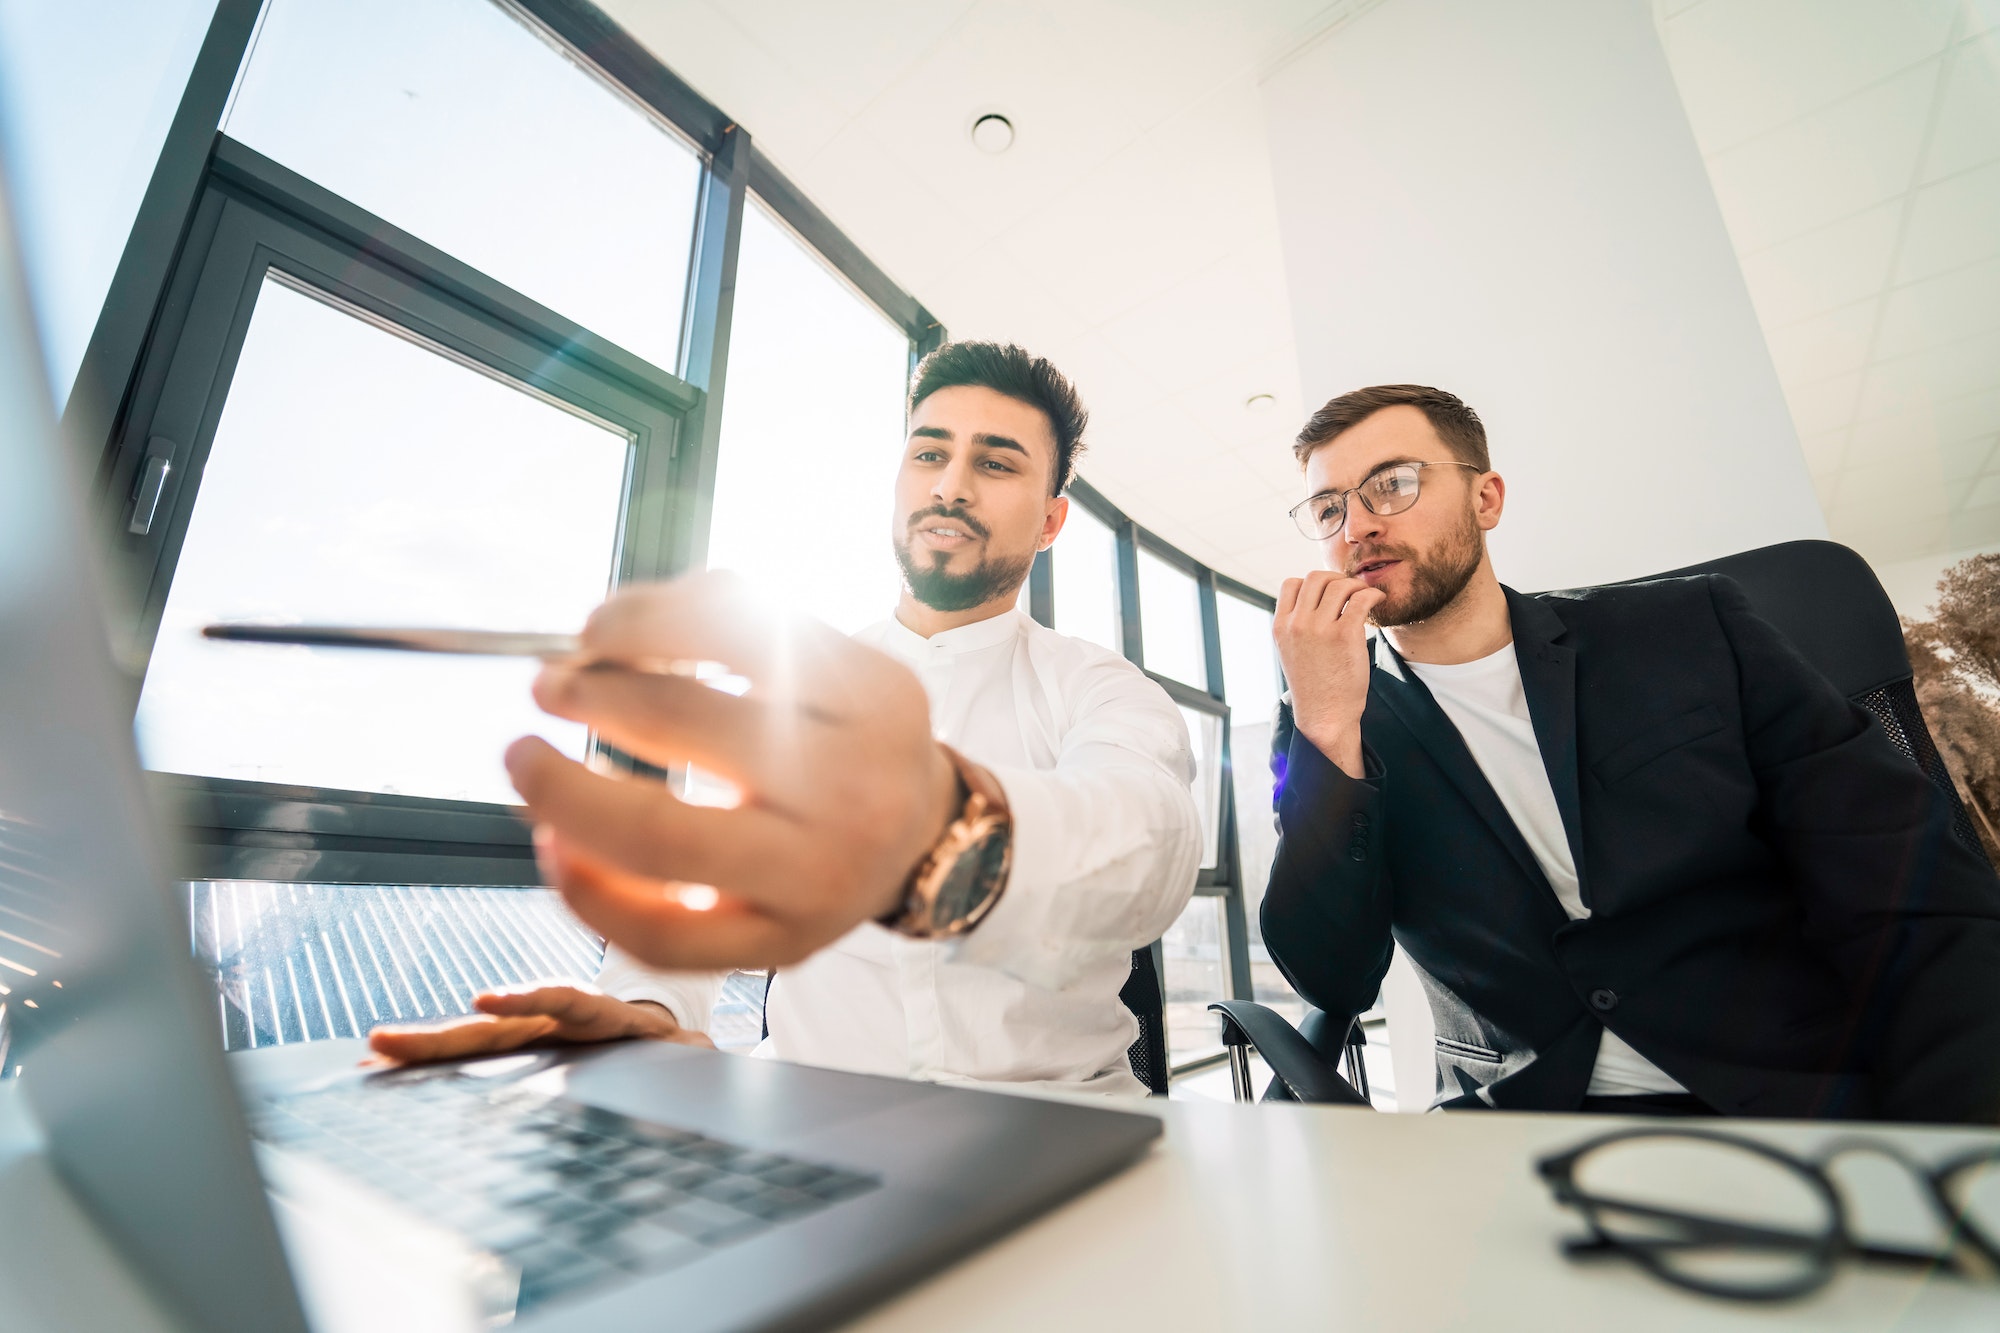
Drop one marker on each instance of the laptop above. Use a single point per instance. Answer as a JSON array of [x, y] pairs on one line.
[[616, 1187]]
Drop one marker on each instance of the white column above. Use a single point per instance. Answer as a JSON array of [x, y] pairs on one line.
[[1505, 200]]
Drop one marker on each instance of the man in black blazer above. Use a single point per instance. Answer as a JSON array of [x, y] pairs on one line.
[[1642, 855]]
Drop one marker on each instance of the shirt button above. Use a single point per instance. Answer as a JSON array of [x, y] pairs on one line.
[[1603, 1001], [1357, 850], [1360, 821]]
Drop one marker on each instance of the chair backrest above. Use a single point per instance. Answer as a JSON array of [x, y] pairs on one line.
[[1147, 1001], [1828, 602]]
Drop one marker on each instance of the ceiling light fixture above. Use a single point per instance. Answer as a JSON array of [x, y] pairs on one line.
[[993, 134], [1260, 402]]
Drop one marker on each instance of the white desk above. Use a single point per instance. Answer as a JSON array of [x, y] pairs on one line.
[[1258, 1218]]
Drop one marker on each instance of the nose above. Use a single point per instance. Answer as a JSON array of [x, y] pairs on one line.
[[952, 485], [1361, 523]]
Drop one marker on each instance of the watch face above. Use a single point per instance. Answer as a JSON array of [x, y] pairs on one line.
[[972, 879]]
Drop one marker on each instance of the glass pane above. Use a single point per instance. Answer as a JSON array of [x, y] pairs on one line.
[[456, 122], [1250, 676], [1195, 972], [358, 477], [1205, 733], [1170, 621], [303, 962], [1086, 578], [817, 378]]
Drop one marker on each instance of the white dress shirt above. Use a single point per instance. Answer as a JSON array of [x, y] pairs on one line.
[[1486, 702], [1095, 761]]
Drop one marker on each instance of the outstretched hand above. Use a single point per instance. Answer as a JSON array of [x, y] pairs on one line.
[[526, 1016], [843, 788]]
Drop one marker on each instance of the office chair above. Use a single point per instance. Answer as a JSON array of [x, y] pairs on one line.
[[1821, 596], [1143, 995]]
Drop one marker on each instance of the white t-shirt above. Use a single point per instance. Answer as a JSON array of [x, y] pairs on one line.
[[1485, 701]]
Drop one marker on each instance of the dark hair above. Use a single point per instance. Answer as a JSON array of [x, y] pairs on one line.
[[1456, 424], [1005, 368]]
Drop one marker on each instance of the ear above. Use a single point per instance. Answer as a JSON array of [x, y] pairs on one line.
[[1053, 518], [1489, 500]]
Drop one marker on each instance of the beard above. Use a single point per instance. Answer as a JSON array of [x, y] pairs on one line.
[[1436, 578], [942, 590]]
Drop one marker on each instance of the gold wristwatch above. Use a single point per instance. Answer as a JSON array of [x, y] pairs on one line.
[[956, 884]]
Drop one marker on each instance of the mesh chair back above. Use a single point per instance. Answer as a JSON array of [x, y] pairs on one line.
[[1828, 602], [1143, 996]]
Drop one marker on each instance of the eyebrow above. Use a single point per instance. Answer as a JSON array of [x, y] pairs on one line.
[[983, 439], [1387, 462]]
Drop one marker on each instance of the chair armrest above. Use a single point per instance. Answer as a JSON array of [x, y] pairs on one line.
[[1290, 1056]]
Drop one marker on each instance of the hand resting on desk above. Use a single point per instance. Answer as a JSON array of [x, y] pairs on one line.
[[531, 1015]]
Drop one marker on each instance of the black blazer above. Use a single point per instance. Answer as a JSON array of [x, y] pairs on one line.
[[1781, 917]]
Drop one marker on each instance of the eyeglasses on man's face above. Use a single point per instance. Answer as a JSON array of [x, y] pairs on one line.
[[1738, 1218], [1386, 490]]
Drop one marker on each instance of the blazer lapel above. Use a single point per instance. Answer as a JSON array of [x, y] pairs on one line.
[[1420, 714], [1548, 678]]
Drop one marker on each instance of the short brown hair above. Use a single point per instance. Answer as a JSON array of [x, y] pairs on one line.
[[1456, 424]]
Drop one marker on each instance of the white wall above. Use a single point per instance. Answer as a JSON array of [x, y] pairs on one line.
[[1506, 200], [88, 89]]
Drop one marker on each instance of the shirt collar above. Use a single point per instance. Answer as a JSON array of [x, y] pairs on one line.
[[911, 646]]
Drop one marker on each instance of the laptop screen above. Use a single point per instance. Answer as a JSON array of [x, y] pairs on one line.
[[109, 1032]]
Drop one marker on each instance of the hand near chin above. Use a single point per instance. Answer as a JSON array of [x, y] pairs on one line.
[[536, 1015], [1321, 628]]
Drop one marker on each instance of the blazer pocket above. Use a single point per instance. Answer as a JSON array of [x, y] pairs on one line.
[[1465, 1050], [1649, 745]]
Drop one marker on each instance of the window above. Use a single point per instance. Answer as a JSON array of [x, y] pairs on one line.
[[1205, 735], [360, 477], [460, 123], [1170, 612], [1196, 976], [812, 434], [1086, 579], [1250, 673]]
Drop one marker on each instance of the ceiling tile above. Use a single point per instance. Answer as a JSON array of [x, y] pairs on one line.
[[1896, 438], [1834, 343], [841, 56], [1834, 266], [1974, 526], [1823, 405], [1983, 492], [1827, 486], [1946, 309], [1748, 66], [1965, 460], [1825, 452], [1931, 378], [1860, 151], [992, 296], [1952, 223], [1968, 121], [1967, 416]]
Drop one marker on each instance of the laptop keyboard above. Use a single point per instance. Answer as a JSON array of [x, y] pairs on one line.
[[569, 1195]]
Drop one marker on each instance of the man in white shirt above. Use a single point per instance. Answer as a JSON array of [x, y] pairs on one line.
[[1092, 757], [1643, 856]]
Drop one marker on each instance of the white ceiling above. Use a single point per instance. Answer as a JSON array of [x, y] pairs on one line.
[[1854, 146], [1131, 232]]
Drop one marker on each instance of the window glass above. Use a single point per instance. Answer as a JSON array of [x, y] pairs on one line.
[[812, 434], [1250, 676], [88, 89], [1195, 971], [359, 477], [1205, 734], [1170, 621], [1086, 579], [458, 123]]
